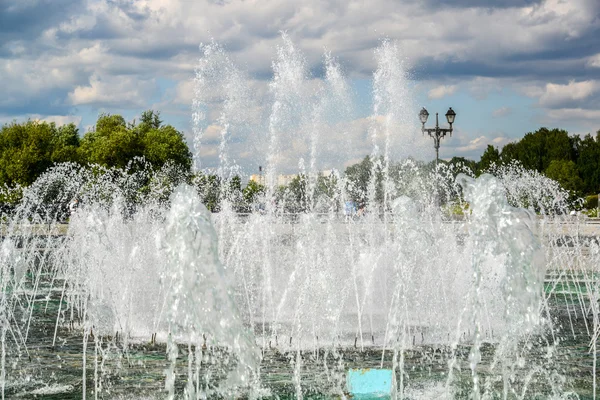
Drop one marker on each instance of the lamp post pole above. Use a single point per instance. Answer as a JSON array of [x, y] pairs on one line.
[[437, 133]]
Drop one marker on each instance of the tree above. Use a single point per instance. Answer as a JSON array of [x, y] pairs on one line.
[[163, 144], [150, 119], [509, 153], [111, 143], [252, 192], [28, 149], [359, 178], [490, 157], [565, 173], [326, 194], [65, 144], [536, 150], [114, 143], [297, 199], [530, 151], [558, 146], [588, 163], [209, 190]]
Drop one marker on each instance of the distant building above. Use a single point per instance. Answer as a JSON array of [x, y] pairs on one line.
[[330, 172], [286, 179], [258, 178]]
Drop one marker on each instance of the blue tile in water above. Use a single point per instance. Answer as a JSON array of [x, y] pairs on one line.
[[370, 383]]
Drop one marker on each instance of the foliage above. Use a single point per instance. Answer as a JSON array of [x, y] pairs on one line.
[[28, 149], [489, 158], [114, 143], [588, 163], [252, 194], [360, 187], [111, 143], [565, 173], [591, 202], [209, 190], [572, 161]]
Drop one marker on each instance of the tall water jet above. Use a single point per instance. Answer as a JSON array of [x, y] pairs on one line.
[[463, 287]]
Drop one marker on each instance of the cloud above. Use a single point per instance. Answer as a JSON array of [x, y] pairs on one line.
[[184, 92], [124, 92], [531, 90], [471, 144], [212, 135], [594, 61], [441, 91], [22, 20], [574, 114], [479, 143], [60, 120], [558, 96], [502, 112], [58, 55]]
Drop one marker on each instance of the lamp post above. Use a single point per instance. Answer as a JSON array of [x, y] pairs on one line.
[[437, 133]]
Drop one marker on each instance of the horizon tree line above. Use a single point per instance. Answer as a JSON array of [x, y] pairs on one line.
[[30, 148]]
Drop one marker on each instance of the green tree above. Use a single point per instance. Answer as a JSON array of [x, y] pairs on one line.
[[111, 143], [565, 173], [588, 163], [114, 143], [163, 144], [150, 119], [536, 150], [359, 179], [252, 192], [558, 146], [65, 144], [297, 200], [326, 191], [490, 157], [509, 153], [530, 151], [209, 190], [28, 149]]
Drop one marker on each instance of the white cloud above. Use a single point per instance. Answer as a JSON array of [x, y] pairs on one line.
[[574, 114], [479, 143], [531, 90], [60, 120], [502, 112], [441, 91], [471, 145], [113, 90], [556, 95], [594, 61], [184, 92], [112, 53]]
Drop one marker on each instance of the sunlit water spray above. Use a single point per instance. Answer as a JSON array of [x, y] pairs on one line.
[[143, 276]]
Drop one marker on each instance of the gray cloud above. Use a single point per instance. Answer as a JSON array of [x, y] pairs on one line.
[[22, 20], [480, 4], [58, 54]]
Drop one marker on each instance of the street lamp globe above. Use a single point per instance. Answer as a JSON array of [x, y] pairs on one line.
[[423, 115], [450, 115]]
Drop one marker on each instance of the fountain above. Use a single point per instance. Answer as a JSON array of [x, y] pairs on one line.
[[145, 293]]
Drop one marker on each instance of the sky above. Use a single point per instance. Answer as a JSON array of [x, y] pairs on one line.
[[507, 67]]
